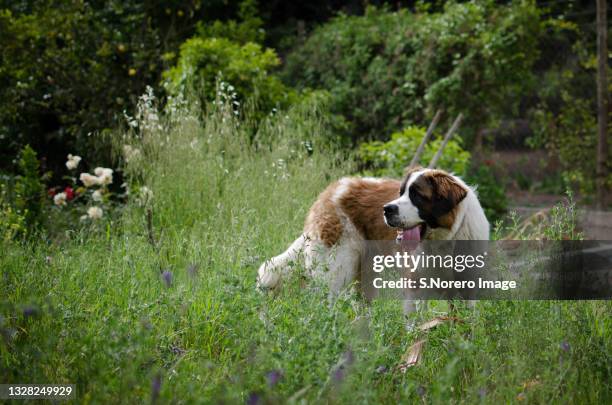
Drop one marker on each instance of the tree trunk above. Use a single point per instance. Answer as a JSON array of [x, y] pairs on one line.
[[602, 102]]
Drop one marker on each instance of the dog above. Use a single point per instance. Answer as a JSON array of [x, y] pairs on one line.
[[427, 204]]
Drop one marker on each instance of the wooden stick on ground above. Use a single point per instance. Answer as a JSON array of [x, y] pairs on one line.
[[432, 126], [453, 128]]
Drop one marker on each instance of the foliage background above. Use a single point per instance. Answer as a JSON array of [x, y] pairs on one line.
[[521, 72], [155, 299]]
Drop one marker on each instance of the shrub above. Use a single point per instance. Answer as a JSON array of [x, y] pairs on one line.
[[29, 189], [387, 70], [565, 121], [391, 157], [69, 68], [491, 192], [558, 223], [249, 28], [245, 67], [12, 224]]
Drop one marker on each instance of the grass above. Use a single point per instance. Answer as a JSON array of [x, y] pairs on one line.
[[94, 307]]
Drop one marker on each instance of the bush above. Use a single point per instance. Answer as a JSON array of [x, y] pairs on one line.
[[29, 189], [491, 192], [204, 61], [387, 70], [249, 28], [391, 157], [70, 68], [12, 223], [566, 117]]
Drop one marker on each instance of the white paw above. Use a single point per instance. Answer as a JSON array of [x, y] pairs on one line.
[[267, 276]]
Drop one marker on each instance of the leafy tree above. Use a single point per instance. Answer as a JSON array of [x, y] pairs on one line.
[[387, 70], [68, 69], [565, 121], [248, 27]]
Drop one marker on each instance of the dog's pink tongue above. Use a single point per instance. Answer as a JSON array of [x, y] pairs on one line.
[[412, 234]]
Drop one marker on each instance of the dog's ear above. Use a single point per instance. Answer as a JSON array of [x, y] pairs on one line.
[[411, 169], [446, 193], [407, 172]]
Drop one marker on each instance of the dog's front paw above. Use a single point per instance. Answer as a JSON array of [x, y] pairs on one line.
[[267, 278]]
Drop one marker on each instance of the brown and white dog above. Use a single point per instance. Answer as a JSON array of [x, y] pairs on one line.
[[427, 204]]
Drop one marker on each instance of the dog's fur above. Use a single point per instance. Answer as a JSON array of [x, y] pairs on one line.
[[353, 210]]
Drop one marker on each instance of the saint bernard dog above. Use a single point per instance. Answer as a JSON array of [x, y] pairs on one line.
[[427, 204]]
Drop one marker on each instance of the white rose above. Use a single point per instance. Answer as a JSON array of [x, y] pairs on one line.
[[88, 180], [72, 162], [105, 175], [97, 195], [59, 199]]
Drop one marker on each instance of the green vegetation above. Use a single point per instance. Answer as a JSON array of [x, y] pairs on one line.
[[132, 273], [490, 191], [245, 67], [121, 308], [29, 189], [391, 158], [386, 70], [70, 71]]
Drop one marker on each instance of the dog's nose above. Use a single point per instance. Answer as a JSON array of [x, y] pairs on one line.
[[391, 209]]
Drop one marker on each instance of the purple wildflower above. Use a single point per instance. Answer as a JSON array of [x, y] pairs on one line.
[[167, 277], [155, 388], [30, 311], [253, 399], [338, 374], [274, 377]]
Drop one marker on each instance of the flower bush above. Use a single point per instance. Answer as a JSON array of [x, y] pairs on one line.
[[94, 190]]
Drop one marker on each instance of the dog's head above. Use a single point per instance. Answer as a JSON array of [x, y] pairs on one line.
[[428, 198]]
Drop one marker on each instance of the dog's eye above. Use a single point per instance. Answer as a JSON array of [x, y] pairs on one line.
[[415, 195], [402, 189]]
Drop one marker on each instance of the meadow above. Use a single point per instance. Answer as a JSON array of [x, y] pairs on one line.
[[156, 301]]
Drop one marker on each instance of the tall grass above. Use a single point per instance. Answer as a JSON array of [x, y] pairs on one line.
[[160, 301]]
